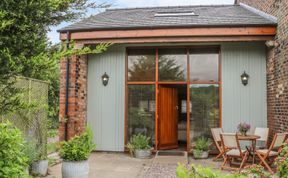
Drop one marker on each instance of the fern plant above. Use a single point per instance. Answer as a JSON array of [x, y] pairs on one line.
[[138, 142]]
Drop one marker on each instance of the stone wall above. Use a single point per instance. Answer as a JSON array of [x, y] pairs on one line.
[[277, 64], [77, 108]]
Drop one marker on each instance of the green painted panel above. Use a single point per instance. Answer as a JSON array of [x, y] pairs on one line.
[[105, 110], [243, 103]]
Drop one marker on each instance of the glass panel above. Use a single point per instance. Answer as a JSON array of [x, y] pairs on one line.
[[204, 67], [141, 64], [172, 64], [205, 110], [141, 110]]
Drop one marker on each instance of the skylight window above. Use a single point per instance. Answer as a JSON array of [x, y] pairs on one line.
[[175, 14]]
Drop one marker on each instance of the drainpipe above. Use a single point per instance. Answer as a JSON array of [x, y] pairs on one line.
[[67, 88]]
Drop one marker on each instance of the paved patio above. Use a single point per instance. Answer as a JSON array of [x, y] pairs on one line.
[[120, 165]]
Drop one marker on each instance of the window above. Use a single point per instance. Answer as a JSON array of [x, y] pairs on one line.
[[204, 67], [171, 14], [141, 65], [172, 64], [141, 110], [204, 113]]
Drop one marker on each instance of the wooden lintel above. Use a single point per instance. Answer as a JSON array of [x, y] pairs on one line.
[[176, 32], [178, 39]]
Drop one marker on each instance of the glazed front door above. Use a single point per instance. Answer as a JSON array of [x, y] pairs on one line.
[[168, 118]]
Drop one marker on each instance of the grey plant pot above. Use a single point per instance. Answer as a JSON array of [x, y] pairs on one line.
[[75, 169], [202, 155], [143, 154], [40, 167]]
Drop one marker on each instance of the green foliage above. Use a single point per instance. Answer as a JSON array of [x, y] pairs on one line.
[[202, 172], [202, 144], [52, 133], [282, 162], [30, 150], [13, 160], [25, 50], [79, 147], [257, 171], [137, 142]]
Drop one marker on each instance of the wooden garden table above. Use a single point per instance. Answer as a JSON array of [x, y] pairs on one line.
[[253, 139]]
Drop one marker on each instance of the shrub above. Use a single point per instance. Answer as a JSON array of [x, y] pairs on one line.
[[202, 143], [202, 172], [13, 161], [30, 150], [79, 147], [282, 161], [137, 142]]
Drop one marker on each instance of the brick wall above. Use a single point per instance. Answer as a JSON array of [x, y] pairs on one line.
[[277, 64], [77, 96]]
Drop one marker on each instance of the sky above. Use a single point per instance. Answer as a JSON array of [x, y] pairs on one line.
[[54, 36]]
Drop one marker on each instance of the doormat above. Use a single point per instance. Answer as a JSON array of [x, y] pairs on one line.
[[171, 157], [171, 153]]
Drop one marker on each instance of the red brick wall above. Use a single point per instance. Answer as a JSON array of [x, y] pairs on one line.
[[77, 96], [277, 64]]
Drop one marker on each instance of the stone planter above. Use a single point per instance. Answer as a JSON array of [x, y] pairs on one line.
[[143, 154], [200, 155], [40, 167], [75, 169]]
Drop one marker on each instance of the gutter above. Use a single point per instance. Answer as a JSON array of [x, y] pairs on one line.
[[67, 88]]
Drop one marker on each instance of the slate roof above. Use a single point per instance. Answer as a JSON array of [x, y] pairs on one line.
[[141, 18]]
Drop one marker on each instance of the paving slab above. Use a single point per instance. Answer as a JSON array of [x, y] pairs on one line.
[[121, 165]]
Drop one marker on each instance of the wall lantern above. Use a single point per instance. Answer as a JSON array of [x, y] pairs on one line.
[[244, 78], [105, 79]]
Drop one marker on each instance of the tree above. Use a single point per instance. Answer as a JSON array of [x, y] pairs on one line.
[[25, 50]]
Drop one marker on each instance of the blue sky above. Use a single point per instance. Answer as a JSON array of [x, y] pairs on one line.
[[54, 36]]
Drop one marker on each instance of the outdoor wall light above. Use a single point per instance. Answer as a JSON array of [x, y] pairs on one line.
[[244, 78], [105, 79]]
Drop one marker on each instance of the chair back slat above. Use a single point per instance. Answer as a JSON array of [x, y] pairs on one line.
[[263, 133], [230, 140], [216, 134], [279, 139]]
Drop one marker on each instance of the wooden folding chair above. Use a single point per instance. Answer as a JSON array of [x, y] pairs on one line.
[[217, 140], [261, 143], [232, 150], [265, 154], [263, 140]]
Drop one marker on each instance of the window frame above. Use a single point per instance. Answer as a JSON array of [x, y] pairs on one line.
[[157, 83]]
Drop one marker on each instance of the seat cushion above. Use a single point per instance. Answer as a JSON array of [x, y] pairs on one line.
[[235, 152], [264, 151]]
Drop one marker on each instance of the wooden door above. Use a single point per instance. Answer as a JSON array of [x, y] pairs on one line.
[[168, 118]]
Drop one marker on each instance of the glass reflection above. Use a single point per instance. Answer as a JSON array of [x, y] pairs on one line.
[[204, 113], [141, 110], [172, 64], [141, 65], [204, 67]]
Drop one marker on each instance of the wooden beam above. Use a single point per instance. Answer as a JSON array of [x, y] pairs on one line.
[[172, 32], [177, 39]]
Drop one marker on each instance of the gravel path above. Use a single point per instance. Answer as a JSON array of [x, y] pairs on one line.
[[159, 171]]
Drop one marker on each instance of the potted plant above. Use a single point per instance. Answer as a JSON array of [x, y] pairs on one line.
[[39, 166], [75, 154], [139, 146], [31, 153], [201, 148], [243, 128]]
